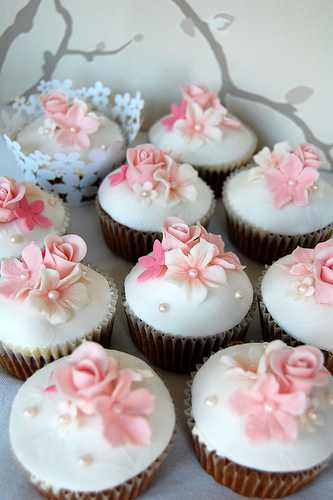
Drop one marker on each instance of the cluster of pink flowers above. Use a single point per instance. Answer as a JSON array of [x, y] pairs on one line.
[[200, 117], [190, 258], [95, 384], [14, 204], [316, 264], [156, 177], [49, 280], [69, 123], [290, 175], [279, 400]]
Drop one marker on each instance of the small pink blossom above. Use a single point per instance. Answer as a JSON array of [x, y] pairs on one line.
[[154, 265], [55, 101], [31, 214], [21, 276], [227, 260], [266, 159], [177, 234], [199, 127], [177, 113], [178, 183], [11, 193], [323, 272], [309, 155], [62, 253], [143, 161], [124, 412], [118, 177], [194, 273], [290, 183], [268, 412], [75, 126]]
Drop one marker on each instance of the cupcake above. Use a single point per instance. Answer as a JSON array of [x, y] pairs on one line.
[[50, 303], [27, 213], [200, 131], [134, 200], [67, 140], [188, 298], [296, 299], [261, 417], [95, 424], [279, 204]]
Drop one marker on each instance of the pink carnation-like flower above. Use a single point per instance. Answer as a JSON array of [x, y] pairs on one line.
[[290, 183], [154, 265], [31, 214], [309, 155], [143, 161], [177, 234], [177, 113], [178, 183], [62, 253], [11, 192], [298, 369], [199, 127], [75, 126], [268, 412], [194, 273], [55, 101]]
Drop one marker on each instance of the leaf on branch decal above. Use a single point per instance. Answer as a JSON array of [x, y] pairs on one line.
[[188, 27], [298, 95], [222, 22]]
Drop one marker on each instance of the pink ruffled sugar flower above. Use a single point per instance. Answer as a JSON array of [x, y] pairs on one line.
[[143, 161], [177, 234], [11, 193], [55, 101]]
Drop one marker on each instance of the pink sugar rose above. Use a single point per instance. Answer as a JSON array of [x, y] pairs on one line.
[[89, 374], [177, 234], [298, 369], [11, 192], [323, 272], [55, 101], [143, 161], [309, 154], [62, 253], [199, 93]]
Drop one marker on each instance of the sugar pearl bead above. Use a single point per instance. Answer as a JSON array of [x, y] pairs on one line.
[[238, 294], [173, 185], [311, 414], [30, 412], [163, 307], [145, 194], [73, 129], [193, 273], [117, 408], [85, 271], [15, 238], [52, 202], [302, 288], [329, 399], [47, 131], [292, 182], [198, 127], [24, 275], [210, 401], [53, 294], [84, 460], [64, 419], [269, 406]]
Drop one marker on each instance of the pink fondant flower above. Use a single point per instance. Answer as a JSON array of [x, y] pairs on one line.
[[302, 261], [58, 298], [11, 192], [143, 161], [19, 277], [88, 374], [75, 126], [62, 253], [309, 155], [290, 183], [198, 93], [323, 272], [154, 265], [199, 127], [194, 273], [268, 412], [178, 183], [266, 159], [55, 101], [124, 413], [118, 177], [228, 260], [177, 234], [31, 214], [298, 369], [177, 113]]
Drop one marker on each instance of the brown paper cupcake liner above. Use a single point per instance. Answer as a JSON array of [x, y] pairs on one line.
[[23, 362], [263, 246], [271, 330], [130, 244], [244, 480], [215, 175], [176, 353]]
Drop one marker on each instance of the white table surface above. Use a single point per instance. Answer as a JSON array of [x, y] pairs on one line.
[[180, 476]]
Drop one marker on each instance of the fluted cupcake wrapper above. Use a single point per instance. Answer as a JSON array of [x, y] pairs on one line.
[[176, 353], [241, 479], [23, 362], [263, 246], [130, 244], [272, 331]]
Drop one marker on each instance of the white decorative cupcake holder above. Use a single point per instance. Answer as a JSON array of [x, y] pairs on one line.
[[68, 176]]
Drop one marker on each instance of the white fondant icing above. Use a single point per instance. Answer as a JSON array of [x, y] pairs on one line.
[[253, 203], [55, 459], [234, 146], [121, 203], [221, 430], [219, 312], [26, 328], [307, 321]]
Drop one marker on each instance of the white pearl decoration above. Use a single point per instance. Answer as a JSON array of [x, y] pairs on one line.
[[329, 399], [15, 238], [84, 460], [53, 295], [47, 130], [163, 307], [238, 294], [210, 401], [292, 182], [24, 275], [52, 202], [198, 127], [30, 412], [269, 406], [193, 273], [173, 185], [315, 187], [73, 129], [302, 288], [145, 194], [85, 271], [64, 419], [117, 408]]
